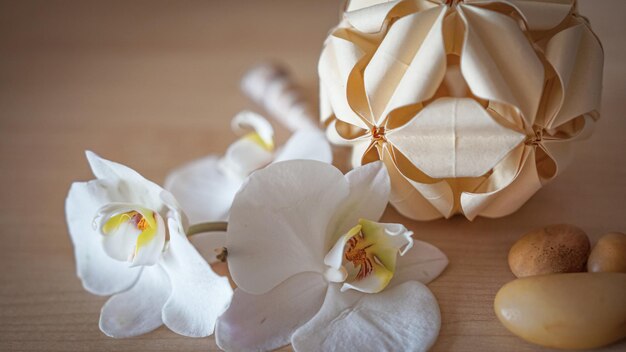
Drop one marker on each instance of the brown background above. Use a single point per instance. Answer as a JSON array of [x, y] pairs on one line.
[[154, 84]]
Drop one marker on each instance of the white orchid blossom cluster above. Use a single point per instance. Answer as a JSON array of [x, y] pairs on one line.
[[473, 105], [302, 242], [130, 235]]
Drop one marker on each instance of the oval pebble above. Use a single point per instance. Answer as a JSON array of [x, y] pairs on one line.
[[609, 254], [571, 311], [552, 249]]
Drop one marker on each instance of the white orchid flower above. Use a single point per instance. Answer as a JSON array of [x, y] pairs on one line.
[[123, 248], [206, 187], [314, 269]]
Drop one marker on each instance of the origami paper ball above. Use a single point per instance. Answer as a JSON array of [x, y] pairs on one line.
[[473, 105]]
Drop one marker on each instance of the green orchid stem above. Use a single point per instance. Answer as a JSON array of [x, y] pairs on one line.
[[207, 227]]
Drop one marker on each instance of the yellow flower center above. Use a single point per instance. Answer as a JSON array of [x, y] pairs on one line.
[[138, 220], [147, 225], [364, 258], [254, 137], [356, 253]]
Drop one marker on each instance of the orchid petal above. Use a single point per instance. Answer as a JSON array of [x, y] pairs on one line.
[[245, 156], [100, 274], [208, 245], [307, 144], [198, 294], [423, 262], [204, 192], [131, 187], [369, 194], [266, 322], [258, 124], [403, 318], [138, 310], [279, 222]]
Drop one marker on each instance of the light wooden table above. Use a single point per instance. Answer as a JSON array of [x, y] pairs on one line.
[[154, 84]]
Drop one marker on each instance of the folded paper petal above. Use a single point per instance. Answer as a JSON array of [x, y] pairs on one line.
[[562, 151], [100, 274], [498, 61], [507, 189], [538, 15], [408, 65], [326, 108], [527, 65], [360, 148], [403, 318], [138, 310], [407, 200], [308, 144], [369, 15], [577, 58], [205, 192], [454, 137], [369, 194], [266, 322], [437, 192], [199, 296], [337, 61], [279, 222]]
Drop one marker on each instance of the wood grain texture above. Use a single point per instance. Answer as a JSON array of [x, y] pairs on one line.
[[153, 84]]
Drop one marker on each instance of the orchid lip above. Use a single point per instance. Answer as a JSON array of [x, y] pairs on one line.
[[364, 258], [129, 230]]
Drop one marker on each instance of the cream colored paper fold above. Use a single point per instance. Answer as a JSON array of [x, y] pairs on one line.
[[472, 105]]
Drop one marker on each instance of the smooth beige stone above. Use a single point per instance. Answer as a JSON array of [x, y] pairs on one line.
[[552, 249], [573, 311], [609, 254]]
